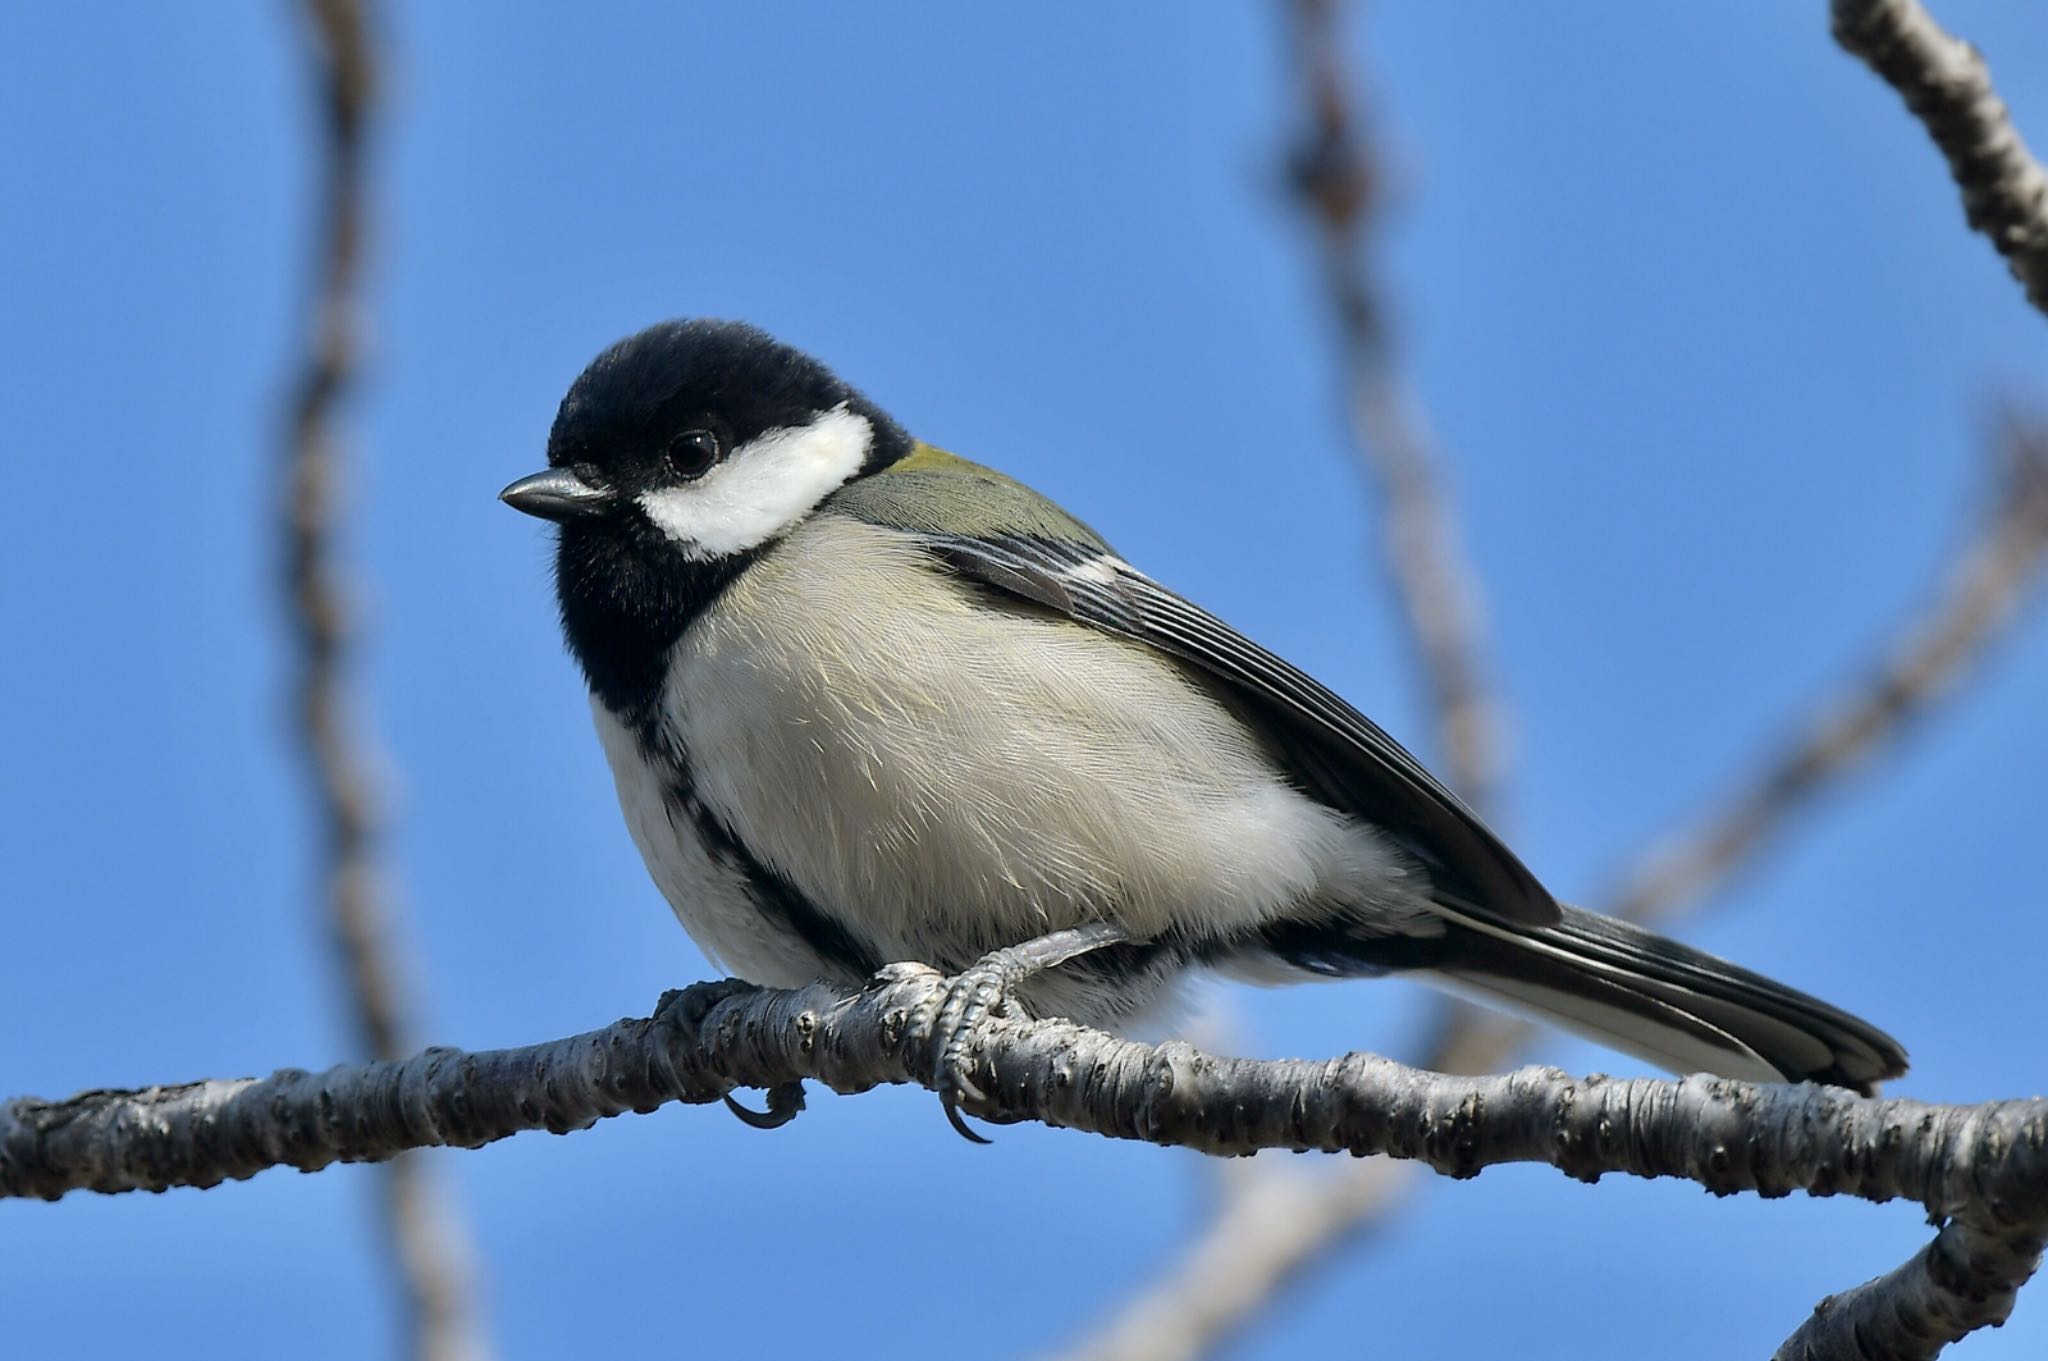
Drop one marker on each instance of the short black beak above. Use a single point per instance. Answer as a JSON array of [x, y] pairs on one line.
[[558, 494]]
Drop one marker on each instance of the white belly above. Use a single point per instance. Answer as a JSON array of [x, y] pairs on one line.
[[944, 778], [708, 896]]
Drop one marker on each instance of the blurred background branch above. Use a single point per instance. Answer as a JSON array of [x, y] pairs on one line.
[[1340, 183], [431, 1255], [1993, 575], [1654, 250], [1270, 1226]]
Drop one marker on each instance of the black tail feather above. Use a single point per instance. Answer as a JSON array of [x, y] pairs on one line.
[[1642, 993]]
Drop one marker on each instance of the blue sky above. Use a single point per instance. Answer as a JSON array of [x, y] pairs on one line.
[[1687, 298]]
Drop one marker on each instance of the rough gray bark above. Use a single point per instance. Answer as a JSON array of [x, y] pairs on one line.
[[1955, 1285], [1946, 84], [1982, 1171]]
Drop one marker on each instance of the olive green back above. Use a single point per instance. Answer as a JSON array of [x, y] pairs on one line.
[[934, 492]]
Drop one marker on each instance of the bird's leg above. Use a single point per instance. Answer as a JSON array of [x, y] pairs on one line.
[[981, 989], [785, 1103]]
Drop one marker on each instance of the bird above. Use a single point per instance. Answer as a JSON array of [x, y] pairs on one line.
[[866, 702]]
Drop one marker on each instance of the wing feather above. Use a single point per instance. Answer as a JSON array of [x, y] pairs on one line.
[[1336, 753], [998, 532]]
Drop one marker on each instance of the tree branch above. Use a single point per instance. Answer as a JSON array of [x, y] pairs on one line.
[[1983, 1168], [1990, 579], [432, 1254], [1239, 1261], [1338, 182], [1947, 86], [1960, 1282], [1269, 1227], [348, 811], [1257, 1242]]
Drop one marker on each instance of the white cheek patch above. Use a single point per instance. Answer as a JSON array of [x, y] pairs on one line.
[[764, 487]]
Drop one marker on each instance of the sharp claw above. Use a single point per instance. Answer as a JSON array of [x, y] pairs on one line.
[[960, 1125], [757, 1119], [982, 991], [785, 1103], [968, 1000]]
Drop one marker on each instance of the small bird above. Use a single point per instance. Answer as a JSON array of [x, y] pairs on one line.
[[866, 702]]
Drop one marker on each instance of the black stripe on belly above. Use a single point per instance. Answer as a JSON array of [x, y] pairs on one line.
[[773, 895]]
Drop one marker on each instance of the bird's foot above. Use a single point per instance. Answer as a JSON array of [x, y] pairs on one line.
[[785, 1103], [981, 991]]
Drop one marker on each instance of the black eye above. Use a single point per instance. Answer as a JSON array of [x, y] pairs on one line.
[[695, 452]]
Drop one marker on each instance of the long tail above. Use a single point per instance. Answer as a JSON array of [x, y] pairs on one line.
[[1679, 1008]]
